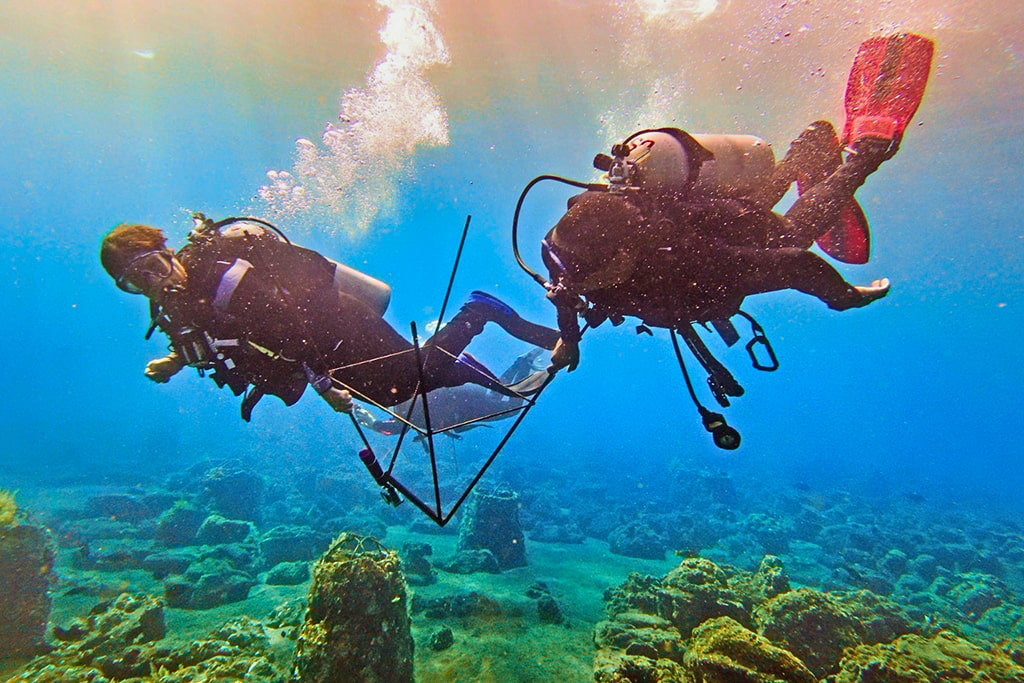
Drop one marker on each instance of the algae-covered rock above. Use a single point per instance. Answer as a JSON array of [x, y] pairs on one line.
[[491, 522], [634, 632], [817, 626], [622, 668], [915, 659], [178, 525], [234, 492], [723, 651], [691, 593], [26, 574], [357, 625], [637, 539], [975, 593], [118, 642], [813, 625]]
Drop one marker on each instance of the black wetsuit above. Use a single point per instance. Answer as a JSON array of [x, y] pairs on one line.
[[712, 254], [289, 318]]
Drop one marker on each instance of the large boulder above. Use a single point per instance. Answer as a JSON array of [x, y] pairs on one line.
[[357, 625]]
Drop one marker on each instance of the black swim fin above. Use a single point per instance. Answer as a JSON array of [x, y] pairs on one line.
[[886, 85]]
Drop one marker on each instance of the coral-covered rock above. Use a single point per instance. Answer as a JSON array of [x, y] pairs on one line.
[[691, 593], [357, 625], [491, 522], [915, 659], [723, 651], [27, 555], [636, 539], [817, 626]]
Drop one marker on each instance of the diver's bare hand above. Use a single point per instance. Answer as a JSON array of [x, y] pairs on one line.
[[564, 355], [338, 399], [161, 370]]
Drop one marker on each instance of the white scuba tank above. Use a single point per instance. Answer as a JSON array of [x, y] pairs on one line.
[[369, 290], [714, 165]]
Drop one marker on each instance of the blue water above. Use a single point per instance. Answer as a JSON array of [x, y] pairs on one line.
[[127, 113]]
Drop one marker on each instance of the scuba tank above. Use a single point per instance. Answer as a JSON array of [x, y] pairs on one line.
[[369, 290], [669, 160]]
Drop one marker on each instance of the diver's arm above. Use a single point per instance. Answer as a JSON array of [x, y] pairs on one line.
[[340, 400], [566, 353], [161, 370]]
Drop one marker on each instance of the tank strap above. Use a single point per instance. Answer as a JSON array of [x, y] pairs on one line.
[[229, 282], [548, 250]]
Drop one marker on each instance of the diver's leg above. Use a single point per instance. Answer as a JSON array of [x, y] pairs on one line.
[[481, 309], [811, 157], [448, 365], [818, 209], [768, 270]]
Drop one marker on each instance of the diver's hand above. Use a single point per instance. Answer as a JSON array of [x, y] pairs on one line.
[[338, 399], [564, 355], [161, 370]]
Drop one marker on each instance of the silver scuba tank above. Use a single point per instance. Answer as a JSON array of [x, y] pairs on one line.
[[369, 290], [712, 165]]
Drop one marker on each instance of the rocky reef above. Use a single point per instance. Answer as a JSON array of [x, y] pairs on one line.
[[705, 623], [119, 640]]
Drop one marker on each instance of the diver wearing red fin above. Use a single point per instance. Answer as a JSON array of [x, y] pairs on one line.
[[884, 90]]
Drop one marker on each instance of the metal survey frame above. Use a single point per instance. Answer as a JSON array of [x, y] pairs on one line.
[[392, 489]]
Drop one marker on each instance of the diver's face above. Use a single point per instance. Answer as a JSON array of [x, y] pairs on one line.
[[152, 273]]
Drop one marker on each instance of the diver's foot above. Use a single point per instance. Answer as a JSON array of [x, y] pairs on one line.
[[493, 309], [864, 295], [869, 152], [491, 303], [813, 156]]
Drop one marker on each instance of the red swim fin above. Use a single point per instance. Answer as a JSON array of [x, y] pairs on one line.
[[886, 85], [850, 240]]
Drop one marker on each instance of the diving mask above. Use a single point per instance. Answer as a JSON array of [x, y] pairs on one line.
[[147, 267]]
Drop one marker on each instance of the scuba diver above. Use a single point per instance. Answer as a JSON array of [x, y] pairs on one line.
[[683, 228], [269, 317], [672, 255]]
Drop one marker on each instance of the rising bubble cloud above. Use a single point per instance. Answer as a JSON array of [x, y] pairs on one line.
[[350, 177]]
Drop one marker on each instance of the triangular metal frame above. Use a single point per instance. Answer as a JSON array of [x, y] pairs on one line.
[[390, 485]]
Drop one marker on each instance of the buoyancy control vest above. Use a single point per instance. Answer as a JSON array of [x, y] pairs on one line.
[[210, 335]]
